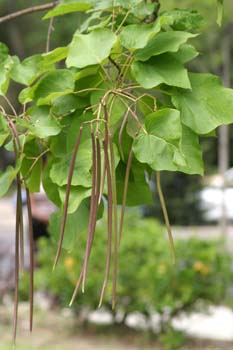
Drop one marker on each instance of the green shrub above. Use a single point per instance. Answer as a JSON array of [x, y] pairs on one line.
[[147, 280]]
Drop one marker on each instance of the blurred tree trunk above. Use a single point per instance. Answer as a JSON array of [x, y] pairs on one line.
[[223, 145]]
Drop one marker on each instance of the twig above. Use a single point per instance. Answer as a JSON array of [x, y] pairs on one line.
[[10, 105], [28, 11], [50, 30]]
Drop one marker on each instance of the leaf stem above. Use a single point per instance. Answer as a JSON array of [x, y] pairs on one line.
[[165, 214]]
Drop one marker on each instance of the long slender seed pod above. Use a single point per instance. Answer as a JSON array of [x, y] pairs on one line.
[[98, 172], [106, 138], [102, 183], [17, 149], [65, 212], [115, 221], [97, 194], [21, 228], [165, 214], [92, 216], [31, 244], [106, 120], [110, 212], [125, 190], [16, 291], [121, 133], [76, 288]]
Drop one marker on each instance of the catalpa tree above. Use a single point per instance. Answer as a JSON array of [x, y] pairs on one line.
[[108, 110]]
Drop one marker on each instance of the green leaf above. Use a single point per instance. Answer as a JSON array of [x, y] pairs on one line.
[[30, 169], [5, 69], [67, 103], [41, 123], [182, 19], [157, 153], [72, 132], [82, 172], [31, 68], [147, 103], [220, 11], [185, 53], [77, 195], [89, 49], [192, 152], [160, 147], [8, 176], [86, 72], [207, 105], [110, 4], [4, 130], [76, 223], [165, 123], [53, 84], [3, 124], [68, 6], [3, 137], [54, 56], [51, 189], [10, 145], [27, 71], [136, 36], [3, 52], [163, 69], [26, 95], [137, 181], [58, 143], [163, 42], [143, 10]]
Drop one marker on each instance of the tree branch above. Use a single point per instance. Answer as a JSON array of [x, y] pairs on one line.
[[27, 11]]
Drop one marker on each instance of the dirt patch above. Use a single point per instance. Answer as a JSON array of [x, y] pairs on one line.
[[58, 330]]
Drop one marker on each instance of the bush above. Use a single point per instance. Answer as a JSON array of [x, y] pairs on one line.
[[147, 280]]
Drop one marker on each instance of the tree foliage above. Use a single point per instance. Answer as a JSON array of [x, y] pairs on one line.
[[108, 110]]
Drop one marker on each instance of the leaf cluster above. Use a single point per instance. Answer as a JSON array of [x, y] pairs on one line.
[[109, 109]]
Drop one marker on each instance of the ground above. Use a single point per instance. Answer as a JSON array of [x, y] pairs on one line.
[[58, 330]]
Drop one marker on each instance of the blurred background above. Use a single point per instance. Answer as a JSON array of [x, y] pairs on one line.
[[160, 306]]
